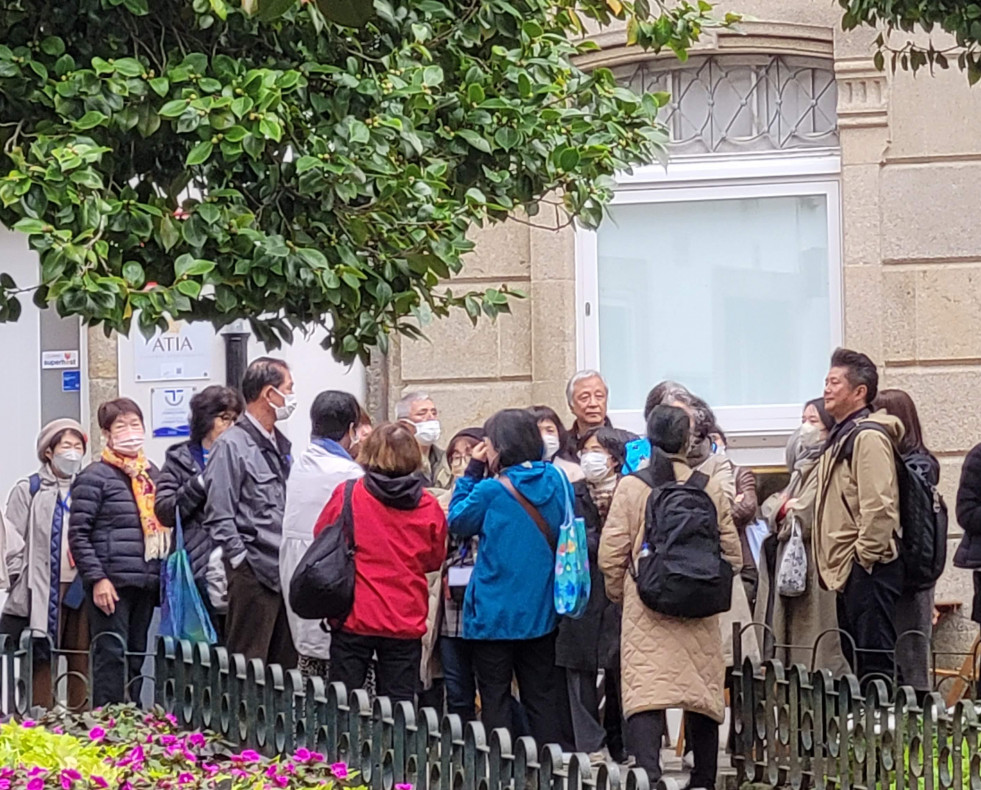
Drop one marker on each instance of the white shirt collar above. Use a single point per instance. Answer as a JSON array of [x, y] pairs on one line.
[[261, 427]]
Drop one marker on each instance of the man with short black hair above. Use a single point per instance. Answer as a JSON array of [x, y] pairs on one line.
[[418, 411], [246, 495], [323, 466], [857, 519]]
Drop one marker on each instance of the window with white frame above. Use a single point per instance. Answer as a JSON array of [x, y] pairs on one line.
[[723, 271]]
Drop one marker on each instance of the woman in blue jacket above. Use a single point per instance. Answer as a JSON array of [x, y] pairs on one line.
[[509, 606]]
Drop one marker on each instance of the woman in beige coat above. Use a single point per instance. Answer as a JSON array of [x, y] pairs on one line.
[[666, 662]]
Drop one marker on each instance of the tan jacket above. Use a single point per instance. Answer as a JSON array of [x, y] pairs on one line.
[[666, 662], [858, 504]]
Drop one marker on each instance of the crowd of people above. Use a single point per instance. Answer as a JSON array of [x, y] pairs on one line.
[[455, 551]]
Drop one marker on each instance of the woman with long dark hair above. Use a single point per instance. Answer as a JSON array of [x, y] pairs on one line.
[[559, 447], [914, 612]]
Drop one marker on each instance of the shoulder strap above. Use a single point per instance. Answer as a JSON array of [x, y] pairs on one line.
[[698, 480], [347, 515], [530, 509], [34, 484]]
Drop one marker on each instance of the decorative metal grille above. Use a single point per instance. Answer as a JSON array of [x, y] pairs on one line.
[[732, 104]]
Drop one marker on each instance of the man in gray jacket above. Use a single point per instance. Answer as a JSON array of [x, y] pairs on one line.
[[245, 478]]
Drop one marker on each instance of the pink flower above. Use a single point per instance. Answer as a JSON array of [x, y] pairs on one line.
[[37, 770], [191, 757], [6, 773], [339, 770], [197, 739], [97, 734], [28, 723], [170, 717], [167, 740], [58, 731], [209, 769], [98, 781], [185, 779], [238, 773], [282, 781], [37, 783], [271, 771], [126, 786], [248, 756], [403, 786], [302, 755], [4, 784], [317, 757]]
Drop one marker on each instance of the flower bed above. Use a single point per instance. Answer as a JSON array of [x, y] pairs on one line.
[[125, 748]]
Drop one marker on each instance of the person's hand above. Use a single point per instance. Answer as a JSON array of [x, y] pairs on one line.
[[479, 453], [104, 596]]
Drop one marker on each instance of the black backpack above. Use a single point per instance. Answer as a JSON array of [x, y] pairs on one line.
[[681, 571], [322, 587], [922, 515]]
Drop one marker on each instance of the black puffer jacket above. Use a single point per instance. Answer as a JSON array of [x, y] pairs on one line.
[[969, 512], [104, 531], [593, 641], [180, 485]]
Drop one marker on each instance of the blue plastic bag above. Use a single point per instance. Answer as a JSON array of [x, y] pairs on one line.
[[182, 612], [572, 582]]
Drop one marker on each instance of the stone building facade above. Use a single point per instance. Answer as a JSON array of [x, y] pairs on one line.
[[904, 158]]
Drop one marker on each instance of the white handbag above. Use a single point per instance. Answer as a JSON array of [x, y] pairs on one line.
[[792, 573]]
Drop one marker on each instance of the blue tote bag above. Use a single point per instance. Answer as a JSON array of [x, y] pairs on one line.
[[572, 582], [182, 612]]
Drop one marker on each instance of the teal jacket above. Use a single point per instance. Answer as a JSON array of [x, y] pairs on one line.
[[511, 593]]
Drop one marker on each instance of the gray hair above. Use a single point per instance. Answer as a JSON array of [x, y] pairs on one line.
[[404, 406], [582, 375]]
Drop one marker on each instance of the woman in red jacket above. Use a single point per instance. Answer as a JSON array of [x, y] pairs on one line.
[[399, 537]]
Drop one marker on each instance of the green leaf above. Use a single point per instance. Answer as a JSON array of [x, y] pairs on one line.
[[160, 86], [200, 153], [174, 108], [476, 140], [359, 133], [28, 225], [137, 7], [506, 137], [169, 235], [273, 9], [209, 212], [567, 159], [191, 288], [188, 266], [133, 274], [271, 128], [432, 76], [53, 46], [305, 163], [475, 93], [129, 67], [90, 120]]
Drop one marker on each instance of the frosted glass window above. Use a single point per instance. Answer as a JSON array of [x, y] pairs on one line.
[[728, 296]]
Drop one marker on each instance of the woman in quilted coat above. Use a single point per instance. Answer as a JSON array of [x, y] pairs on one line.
[[666, 662]]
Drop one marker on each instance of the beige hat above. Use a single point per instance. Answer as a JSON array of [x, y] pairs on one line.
[[52, 429]]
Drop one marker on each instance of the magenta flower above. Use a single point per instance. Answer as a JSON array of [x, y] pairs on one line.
[[37, 770], [167, 740], [172, 719], [4, 784], [98, 781], [302, 755], [191, 757], [37, 783], [185, 779], [97, 734], [197, 740], [112, 723], [58, 731], [238, 773], [248, 756], [403, 786], [317, 757], [28, 723], [6, 773], [339, 770], [281, 781], [209, 769]]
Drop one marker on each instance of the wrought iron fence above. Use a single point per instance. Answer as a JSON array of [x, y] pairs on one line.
[[792, 727], [798, 728], [276, 712]]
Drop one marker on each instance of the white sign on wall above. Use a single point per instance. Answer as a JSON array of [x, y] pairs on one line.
[[182, 352], [59, 360], [170, 409]]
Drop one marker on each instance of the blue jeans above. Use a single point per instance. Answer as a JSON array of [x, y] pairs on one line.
[[458, 675]]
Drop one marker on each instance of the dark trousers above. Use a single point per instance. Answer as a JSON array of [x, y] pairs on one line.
[[645, 734], [397, 668], [867, 613], [541, 685], [119, 644], [256, 624], [456, 655], [613, 721]]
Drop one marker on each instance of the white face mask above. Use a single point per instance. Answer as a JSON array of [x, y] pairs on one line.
[[129, 444], [595, 465], [285, 411], [809, 434], [551, 442], [428, 432], [68, 463]]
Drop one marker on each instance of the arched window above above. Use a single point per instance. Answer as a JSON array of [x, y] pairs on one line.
[[742, 103]]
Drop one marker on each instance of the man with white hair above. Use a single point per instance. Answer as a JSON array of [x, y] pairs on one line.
[[587, 395], [417, 409]]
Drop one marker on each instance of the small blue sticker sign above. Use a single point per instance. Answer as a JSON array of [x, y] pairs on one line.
[[71, 381]]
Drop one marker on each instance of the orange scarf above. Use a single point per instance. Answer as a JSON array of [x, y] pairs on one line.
[[156, 537]]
